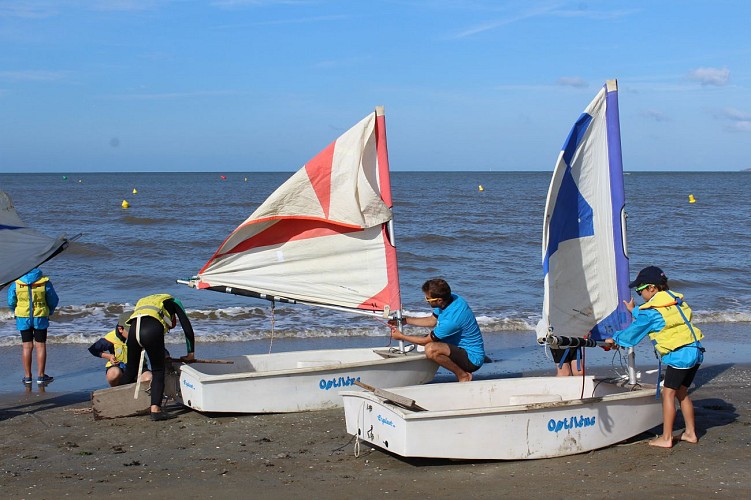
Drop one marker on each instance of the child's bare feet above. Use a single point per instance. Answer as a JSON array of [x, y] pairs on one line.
[[661, 442], [689, 438], [468, 378]]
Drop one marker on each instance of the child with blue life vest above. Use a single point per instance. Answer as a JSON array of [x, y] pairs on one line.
[[666, 318], [33, 300]]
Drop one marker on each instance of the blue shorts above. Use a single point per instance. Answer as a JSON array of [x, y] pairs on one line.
[[119, 365]]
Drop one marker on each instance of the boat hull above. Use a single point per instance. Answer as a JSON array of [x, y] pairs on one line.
[[296, 381], [505, 419]]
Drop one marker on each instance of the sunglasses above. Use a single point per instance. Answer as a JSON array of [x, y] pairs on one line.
[[430, 301], [640, 289]]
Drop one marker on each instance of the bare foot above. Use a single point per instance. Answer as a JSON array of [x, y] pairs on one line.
[[467, 378], [689, 438], [661, 442]]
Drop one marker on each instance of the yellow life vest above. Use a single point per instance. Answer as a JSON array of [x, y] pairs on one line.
[[676, 332], [121, 349], [38, 295], [153, 306]]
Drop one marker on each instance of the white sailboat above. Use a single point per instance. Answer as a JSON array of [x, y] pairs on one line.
[[323, 238], [586, 277], [22, 248]]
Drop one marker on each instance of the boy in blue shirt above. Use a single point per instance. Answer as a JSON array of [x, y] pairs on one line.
[[666, 318]]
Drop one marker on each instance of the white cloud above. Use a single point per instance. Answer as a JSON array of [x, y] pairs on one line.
[[655, 115], [739, 121], [33, 75], [710, 76], [27, 9], [572, 81], [171, 95], [735, 114]]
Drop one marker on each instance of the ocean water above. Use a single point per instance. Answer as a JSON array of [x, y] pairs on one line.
[[485, 243]]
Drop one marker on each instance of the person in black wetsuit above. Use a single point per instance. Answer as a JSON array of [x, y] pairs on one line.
[[152, 318]]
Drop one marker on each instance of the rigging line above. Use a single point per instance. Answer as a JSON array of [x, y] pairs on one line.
[[273, 322], [386, 324], [342, 446], [360, 426], [583, 370]]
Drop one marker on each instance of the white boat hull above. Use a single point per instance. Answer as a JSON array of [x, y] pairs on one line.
[[506, 419], [296, 381]]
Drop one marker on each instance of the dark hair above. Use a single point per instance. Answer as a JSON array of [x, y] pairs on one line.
[[437, 288]]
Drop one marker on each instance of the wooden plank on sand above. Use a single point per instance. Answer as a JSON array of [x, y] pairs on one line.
[[116, 402]]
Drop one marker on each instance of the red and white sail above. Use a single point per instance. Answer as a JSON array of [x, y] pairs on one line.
[[324, 236]]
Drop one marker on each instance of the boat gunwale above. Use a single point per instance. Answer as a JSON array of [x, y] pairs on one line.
[[306, 370], [647, 390]]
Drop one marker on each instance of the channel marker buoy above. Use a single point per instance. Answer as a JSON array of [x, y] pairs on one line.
[[125, 204], [691, 199]]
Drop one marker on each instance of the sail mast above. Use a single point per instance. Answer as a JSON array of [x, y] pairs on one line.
[[618, 200], [384, 180]]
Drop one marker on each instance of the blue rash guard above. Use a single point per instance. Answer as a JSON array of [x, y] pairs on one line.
[[647, 321], [457, 326]]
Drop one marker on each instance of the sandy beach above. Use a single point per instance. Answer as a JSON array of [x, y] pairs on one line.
[[53, 448]]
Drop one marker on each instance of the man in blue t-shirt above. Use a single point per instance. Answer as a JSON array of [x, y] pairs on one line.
[[456, 341]]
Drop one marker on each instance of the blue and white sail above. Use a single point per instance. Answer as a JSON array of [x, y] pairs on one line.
[[584, 253], [22, 248]]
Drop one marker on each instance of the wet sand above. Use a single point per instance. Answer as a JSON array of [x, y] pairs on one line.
[[52, 448]]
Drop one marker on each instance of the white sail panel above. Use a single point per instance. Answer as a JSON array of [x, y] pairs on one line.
[[348, 269], [21, 247], [319, 238], [582, 248]]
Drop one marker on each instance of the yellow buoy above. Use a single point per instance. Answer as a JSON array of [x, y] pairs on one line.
[[691, 199], [125, 204], [135, 191], [480, 188]]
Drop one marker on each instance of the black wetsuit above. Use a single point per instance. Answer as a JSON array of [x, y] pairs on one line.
[[152, 339]]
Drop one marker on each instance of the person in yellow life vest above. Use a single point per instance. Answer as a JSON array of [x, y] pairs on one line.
[[114, 349], [152, 318], [33, 300], [666, 318]]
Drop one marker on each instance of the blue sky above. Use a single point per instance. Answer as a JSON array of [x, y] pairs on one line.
[[243, 85]]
